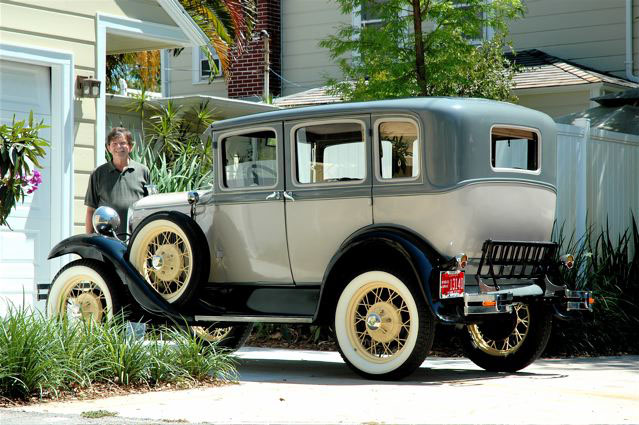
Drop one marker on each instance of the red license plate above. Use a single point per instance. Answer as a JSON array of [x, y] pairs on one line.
[[451, 284]]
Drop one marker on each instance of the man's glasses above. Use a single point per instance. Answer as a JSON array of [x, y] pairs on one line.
[[114, 144]]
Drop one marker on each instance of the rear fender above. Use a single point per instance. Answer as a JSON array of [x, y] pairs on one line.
[[424, 260], [113, 251]]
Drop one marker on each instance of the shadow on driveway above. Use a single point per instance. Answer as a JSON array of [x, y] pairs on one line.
[[333, 373]]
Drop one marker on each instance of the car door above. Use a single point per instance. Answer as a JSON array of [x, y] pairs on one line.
[[249, 235], [328, 190]]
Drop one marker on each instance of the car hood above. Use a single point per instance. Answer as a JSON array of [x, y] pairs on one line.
[[167, 199]]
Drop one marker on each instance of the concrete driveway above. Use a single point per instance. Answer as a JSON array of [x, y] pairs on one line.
[[291, 386]]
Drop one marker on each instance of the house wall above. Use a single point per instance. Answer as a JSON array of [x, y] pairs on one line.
[[181, 78], [558, 101], [70, 26], [588, 32], [305, 65]]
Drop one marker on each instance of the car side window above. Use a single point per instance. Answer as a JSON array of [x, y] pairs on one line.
[[250, 159], [331, 152], [399, 149]]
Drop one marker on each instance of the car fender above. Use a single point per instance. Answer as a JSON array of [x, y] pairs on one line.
[[422, 257], [114, 251]]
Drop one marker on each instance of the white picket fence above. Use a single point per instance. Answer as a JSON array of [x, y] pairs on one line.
[[597, 179]]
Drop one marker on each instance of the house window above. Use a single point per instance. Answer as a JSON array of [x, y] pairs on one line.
[[514, 149], [398, 149], [250, 159], [202, 68], [369, 15], [486, 33], [328, 153]]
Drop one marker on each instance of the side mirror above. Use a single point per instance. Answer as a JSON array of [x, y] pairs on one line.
[[105, 221]]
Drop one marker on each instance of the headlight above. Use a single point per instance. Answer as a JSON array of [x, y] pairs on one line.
[[105, 221]]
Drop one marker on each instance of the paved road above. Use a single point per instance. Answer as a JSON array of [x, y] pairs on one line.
[[290, 386]]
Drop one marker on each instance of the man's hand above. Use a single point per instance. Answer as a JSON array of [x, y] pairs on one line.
[[88, 221]]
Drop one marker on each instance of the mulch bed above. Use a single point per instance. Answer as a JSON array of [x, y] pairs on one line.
[[104, 390]]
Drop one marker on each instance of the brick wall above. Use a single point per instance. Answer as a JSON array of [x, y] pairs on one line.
[[247, 71]]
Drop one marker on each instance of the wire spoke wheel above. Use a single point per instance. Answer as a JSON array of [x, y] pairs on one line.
[[229, 337], [503, 345], [380, 321], [383, 330], [212, 334], [162, 249], [509, 342], [84, 290]]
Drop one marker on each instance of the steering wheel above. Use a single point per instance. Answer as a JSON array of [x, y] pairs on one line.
[[254, 176]]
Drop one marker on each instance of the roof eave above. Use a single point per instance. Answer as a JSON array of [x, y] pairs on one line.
[[183, 20]]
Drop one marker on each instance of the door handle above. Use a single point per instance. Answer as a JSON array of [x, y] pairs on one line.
[[275, 195], [288, 196]]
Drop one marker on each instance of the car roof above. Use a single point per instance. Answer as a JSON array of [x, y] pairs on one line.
[[444, 105]]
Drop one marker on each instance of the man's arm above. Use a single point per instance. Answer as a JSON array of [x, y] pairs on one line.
[[88, 220]]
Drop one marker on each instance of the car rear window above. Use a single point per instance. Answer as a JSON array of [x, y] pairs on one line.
[[514, 149], [250, 159], [332, 152]]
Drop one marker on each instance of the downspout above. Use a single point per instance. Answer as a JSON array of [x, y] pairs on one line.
[[629, 52]]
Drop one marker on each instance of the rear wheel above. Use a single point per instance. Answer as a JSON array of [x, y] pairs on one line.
[[231, 337], [84, 289], [383, 330], [509, 344]]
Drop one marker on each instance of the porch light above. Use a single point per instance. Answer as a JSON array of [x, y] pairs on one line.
[[88, 87]]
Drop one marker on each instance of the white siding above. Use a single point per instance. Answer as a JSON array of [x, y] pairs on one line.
[[588, 32], [305, 64]]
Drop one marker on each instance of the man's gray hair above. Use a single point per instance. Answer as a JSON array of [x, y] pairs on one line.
[[117, 132]]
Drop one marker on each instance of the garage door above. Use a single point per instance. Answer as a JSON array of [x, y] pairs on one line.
[[24, 249]]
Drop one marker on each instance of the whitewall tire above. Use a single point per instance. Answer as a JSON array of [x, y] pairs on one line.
[[383, 329], [84, 289]]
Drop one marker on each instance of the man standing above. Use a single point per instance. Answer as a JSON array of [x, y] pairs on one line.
[[117, 184]]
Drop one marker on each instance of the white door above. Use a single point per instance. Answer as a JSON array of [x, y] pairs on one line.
[[24, 249]]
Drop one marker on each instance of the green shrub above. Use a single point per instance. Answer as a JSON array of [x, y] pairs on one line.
[[42, 357], [30, 359], [177, 158], [610, 268]]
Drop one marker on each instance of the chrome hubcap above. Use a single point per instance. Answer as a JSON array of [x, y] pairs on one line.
[[373, 321], [156, 262]]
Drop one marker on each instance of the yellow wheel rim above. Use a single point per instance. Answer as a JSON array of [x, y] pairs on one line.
[[165, 260], [379, 322], [211, 334], [504, 346], [82, 298]]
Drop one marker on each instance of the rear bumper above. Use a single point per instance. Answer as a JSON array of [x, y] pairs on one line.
[[502, 301]]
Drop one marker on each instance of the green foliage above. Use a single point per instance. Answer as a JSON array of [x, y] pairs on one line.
[[40, 356], [21, 148], [425, 51], [177, 158], [608, 267]]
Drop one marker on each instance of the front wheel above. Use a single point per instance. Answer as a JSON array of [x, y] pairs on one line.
[[510, 343], [84, 289], [171, 253], [383, 330]]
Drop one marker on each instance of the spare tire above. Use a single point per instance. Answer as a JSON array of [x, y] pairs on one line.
[[170, 251]]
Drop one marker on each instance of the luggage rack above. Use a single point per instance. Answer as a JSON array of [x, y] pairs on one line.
[[515, 260]]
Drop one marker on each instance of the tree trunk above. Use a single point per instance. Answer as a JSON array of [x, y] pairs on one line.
[[419, 47]]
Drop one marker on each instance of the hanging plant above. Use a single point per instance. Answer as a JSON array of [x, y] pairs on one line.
[[21, 148]]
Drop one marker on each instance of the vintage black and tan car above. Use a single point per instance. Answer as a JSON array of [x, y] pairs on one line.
[[380, 219]]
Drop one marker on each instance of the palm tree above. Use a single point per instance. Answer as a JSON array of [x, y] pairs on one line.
[[227, 23]]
